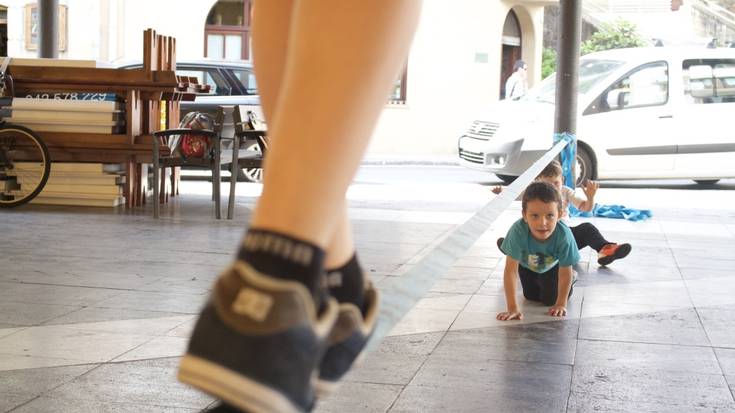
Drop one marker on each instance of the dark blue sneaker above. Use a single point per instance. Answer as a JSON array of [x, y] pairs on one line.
[[347, 340], [258, 343]]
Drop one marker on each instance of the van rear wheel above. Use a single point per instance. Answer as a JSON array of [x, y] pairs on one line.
[[507, 179], [706, 181], [585, 166]]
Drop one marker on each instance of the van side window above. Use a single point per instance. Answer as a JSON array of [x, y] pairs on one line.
[[647, 85], [709, 80]]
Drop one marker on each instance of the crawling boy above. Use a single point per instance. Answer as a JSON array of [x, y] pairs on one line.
[[540, 250]]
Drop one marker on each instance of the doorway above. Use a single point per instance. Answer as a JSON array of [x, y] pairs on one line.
[[511, 48]]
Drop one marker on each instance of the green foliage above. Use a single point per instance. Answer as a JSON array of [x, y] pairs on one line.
[[613, 36], [548, 62]]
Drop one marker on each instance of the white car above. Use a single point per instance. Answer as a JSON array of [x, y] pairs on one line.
[[644, 113]]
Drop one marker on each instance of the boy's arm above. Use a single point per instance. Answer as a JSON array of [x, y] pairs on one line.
[[590, 189], [565, 283], [510, 276]]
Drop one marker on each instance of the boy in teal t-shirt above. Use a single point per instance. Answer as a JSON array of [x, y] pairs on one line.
[[540, 250]]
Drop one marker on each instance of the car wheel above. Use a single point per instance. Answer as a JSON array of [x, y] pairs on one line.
[[251, 174], [507, 179], [706, 181], [585, 166]]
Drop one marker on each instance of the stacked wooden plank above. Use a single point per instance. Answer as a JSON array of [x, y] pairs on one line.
[[83, 184], [79, 184], [85, 112], [146, 94]]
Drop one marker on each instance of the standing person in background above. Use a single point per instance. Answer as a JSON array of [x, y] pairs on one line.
[[294, 310], [517, 84]]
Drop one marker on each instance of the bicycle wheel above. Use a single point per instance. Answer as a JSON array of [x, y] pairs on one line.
[[24, 165]]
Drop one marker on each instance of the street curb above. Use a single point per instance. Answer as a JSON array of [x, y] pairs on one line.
[[437, 161]]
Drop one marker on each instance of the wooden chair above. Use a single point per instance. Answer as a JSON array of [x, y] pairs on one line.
[[172, 159], [248, 129]]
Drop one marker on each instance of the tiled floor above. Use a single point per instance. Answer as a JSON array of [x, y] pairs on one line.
[[95, 309]]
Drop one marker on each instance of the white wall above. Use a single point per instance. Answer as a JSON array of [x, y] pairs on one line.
[[453, 69], [182, 19], [447, 86], [112, 30]]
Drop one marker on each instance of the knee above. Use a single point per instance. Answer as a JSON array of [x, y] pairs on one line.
[[530, 296], [586, 226], [549, 301]]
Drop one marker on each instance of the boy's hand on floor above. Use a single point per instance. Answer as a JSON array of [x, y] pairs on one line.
[[497, 189], [510, 315], [557, 311]]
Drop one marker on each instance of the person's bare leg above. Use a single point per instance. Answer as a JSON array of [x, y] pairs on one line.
[[262, 335], [341, 66], [270, 32]]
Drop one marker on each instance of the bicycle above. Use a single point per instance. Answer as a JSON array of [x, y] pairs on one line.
[[25, 163]]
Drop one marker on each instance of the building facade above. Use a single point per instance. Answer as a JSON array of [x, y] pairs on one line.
[[462, 54]]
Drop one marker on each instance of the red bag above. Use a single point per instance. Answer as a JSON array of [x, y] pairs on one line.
[[195, 145]]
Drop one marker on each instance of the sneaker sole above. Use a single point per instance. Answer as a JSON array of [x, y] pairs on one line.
[[233, 388], [324, 388], [621, 252]]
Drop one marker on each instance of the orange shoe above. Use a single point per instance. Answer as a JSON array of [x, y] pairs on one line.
[[612, 252]]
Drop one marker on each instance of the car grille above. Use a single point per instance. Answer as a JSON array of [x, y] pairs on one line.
[[474, 157], [482, 130]]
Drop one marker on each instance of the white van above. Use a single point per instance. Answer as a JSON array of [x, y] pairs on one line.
[[644, 113]]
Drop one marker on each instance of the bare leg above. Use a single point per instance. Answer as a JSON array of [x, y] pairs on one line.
[[333, 90], [262, 336], [270, 41]]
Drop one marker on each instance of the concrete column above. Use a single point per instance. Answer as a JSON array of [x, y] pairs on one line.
[[567, 70], [48, 28]]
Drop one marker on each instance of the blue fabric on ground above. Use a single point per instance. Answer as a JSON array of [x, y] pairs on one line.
[[612, 211], [568, 156]]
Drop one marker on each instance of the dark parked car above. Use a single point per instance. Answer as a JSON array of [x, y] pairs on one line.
[[231, 83]]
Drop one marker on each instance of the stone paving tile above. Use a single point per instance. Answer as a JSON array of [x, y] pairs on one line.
[[53, 294], [51, 404], [22, 314], [624, 272], [360, 398], [443, 301], [448, 384], [629, 384], [726, 357], [150, 382], [584, 402], [693, 273], [668, 327], [473, 399], [551, 342], [461, 286], [396, 359], [69, 343], [20, 386], [463, 273], [99, 314], [153, 301], [718, 323], [9, 401], [660, 357]]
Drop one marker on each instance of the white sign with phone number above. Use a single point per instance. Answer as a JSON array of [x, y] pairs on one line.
[[73, 96]]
